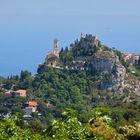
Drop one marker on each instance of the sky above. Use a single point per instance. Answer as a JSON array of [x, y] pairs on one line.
[[28, 27]]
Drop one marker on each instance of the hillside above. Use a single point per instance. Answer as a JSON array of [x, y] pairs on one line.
[[83, 76]]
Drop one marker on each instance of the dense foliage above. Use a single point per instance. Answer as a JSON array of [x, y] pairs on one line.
[[99, 127], [56, 90]]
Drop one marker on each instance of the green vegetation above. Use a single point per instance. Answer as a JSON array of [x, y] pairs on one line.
[[99, 127], [57, 90], [93, 114], [134, 70]]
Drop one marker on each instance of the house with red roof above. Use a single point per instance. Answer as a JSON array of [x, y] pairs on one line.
[[21, 93], [32, 104], [8, 92], [31, 107]]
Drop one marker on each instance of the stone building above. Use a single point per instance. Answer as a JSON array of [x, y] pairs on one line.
[[52, 57], [84, 39], [56, 49], [132, 59]]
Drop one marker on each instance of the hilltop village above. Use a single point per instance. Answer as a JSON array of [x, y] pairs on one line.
[[53, 60]]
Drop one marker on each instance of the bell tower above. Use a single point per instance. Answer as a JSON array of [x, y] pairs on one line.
[[56, 51]]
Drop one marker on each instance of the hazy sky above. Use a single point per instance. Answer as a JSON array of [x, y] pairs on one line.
[[28, 27]]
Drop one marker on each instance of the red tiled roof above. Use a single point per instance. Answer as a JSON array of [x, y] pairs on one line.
[[9, 92], [21, 92], [32, 104]]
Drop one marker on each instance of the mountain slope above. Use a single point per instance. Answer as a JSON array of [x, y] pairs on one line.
[[89, 55]]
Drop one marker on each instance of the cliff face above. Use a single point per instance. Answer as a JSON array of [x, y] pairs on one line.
[[108, 66], [132, 84], [102, 64]]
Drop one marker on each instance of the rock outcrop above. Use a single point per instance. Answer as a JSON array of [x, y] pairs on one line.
[[132, 84], [111, 71]]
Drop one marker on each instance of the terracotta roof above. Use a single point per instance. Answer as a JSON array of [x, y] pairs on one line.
[[9, 92], [32, 104], [21, 92]]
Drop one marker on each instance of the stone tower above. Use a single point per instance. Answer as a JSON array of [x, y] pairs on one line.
[[56, 51]]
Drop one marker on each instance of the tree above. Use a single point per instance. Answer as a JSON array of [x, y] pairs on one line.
[[130, 114], [24, 75], [26, 80], [35, 126], [10, 131], [100, 126], [18, 119], [67, 128], [131, 132]]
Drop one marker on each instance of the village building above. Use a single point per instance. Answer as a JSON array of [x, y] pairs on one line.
[[8, 92], [21, 93], [31, 106], [93, 39], [132, 59], [52, 57], [77, 65], [18, 93]]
